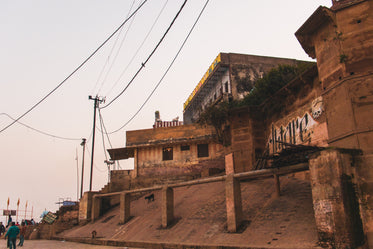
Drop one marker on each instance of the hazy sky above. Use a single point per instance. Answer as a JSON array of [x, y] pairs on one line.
[[43, 41]]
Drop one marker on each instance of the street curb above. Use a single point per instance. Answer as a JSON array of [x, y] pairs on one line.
[[160, 245]]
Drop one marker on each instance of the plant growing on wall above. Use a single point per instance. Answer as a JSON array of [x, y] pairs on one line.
[[264, 88], [216, 116], [271, 82], [244, 75]]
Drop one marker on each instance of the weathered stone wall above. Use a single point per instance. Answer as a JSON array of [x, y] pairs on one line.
[[335, 201], [238, 71], [364, 181], [150, 161], [247, 139], [299, 117], [343, 46], [119, 180], [295, 115], [149, 145], [168, 135], [246, 69], [85, 206]]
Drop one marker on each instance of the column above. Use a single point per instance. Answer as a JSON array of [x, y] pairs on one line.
[[96, 206], [277, 185], [167, 206], [335, 202], [233, 202], [125, 205]]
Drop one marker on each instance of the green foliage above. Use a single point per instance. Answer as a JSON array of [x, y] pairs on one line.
[[215, 114], [264, 88], [343, 58], [273, 81]]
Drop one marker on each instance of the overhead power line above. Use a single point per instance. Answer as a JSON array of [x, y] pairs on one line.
[[151, 54], [111, 51], [137, 51], [104, 131], [94, 164], [71, 74], [102, 134], [117, 53], [39, 131], [169, 67]]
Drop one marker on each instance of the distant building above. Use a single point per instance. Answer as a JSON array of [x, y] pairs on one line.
[[230, 77], [173, 152]]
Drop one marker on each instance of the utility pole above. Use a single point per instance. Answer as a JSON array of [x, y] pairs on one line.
[[96, 105], [109, 163], [77, 175], [81, 188]]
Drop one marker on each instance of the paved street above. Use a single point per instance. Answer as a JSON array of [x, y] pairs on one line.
[[53, 244]]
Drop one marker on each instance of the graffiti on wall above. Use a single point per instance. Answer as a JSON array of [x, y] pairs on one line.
[[317, 107], [298, 130]]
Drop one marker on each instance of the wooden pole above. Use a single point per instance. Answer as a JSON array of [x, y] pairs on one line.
[[26, 210], [7, 208], [17, 210]]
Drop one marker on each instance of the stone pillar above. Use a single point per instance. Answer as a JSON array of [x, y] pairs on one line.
[[125, 205], [277, 185], [134, 172], [233, 202], [365, 182], [85, 205], [229, 164], [96, 206], [167, 206], [335, 202]]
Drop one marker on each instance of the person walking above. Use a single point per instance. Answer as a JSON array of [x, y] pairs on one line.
[[12, 233], [2, 229], [22, 233], [9, 221]]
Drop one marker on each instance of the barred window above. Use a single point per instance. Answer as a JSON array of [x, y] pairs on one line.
[[184, 147]]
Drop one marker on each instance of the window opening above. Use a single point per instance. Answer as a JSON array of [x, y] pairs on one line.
[[203, 150], [226, 86], [184, 147], [168, 153]]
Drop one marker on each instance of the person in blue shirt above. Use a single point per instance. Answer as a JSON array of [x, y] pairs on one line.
[[12, 233]]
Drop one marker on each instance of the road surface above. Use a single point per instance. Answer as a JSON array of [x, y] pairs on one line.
[[54, 244]]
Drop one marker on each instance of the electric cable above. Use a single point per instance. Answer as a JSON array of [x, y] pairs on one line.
[[111, 51], [107, 135], [151, 54], [102, 136], [116, 54], [39, 131], [71, 74], [137, 51], [94, 164], [169, 67]]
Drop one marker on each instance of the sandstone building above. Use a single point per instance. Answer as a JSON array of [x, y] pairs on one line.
[[230, 77], [329, 106], [173, 152]]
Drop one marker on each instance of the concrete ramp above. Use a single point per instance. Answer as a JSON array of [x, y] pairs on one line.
[[200, 210]]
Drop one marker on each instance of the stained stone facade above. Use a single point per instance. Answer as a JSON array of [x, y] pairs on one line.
[[330, 105]]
